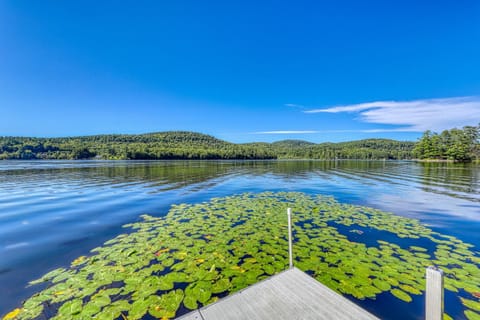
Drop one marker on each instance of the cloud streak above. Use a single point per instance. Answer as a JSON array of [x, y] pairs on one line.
[[293, 105], [416, 115], [323, 131], [286, 132]]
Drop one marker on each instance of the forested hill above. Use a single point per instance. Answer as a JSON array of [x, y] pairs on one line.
[[190, 145]]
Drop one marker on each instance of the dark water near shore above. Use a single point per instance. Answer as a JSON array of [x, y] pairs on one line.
[[54, 211]]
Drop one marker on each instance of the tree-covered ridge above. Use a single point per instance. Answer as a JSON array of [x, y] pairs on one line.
[[162, 145], [455, 144], [372, 149], [191, 145], [293, 143]]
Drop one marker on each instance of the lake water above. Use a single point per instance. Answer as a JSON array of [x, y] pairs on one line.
[[54, 211]]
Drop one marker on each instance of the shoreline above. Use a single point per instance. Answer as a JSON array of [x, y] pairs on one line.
[[445, 161]]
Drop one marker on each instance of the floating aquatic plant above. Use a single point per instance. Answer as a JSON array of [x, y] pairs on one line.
[[198, 253]]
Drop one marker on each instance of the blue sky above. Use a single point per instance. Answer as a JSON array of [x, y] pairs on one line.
[[239, 70]]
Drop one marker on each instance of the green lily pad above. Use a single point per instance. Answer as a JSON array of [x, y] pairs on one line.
[[471, 304], [190, 301], [382, 285], [402, 295], [471, 315], [410, 289], [221, 285], [138, 309], [71, 308]]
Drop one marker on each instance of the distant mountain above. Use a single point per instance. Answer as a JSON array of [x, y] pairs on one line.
[[192, 145]]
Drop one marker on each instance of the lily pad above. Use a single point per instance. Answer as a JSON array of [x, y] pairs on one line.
[[402, 295], [471, 315], [71, 308]]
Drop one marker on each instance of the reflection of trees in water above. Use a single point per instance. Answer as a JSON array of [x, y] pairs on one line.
[[458, 177], [177, 174], [445, 178]]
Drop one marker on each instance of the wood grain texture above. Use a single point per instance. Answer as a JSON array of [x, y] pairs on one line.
[[194, 315], [434, 294]]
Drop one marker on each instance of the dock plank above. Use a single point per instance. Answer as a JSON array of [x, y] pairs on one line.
[[291, 294], [194, 315]]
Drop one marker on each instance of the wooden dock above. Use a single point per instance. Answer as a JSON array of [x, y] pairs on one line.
[[291, 294]]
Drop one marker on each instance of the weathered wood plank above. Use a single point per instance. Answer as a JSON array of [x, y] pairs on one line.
[[291, 294], [194, 315], [434, 294], [290, 245]]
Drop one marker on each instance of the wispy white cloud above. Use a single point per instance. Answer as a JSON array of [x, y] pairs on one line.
[[416, 115], [293, 105], [286, 132], [323, 131]]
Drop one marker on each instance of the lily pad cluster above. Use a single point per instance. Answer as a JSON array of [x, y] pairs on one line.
[[198, 253]]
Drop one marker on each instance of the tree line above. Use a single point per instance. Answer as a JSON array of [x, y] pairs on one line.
[[195, 146], [460, 145]]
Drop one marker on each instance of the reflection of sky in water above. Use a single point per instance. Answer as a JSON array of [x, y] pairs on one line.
[[414, 203], [51, 212]]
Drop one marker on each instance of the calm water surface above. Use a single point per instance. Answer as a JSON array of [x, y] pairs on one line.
[[54, 211]]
